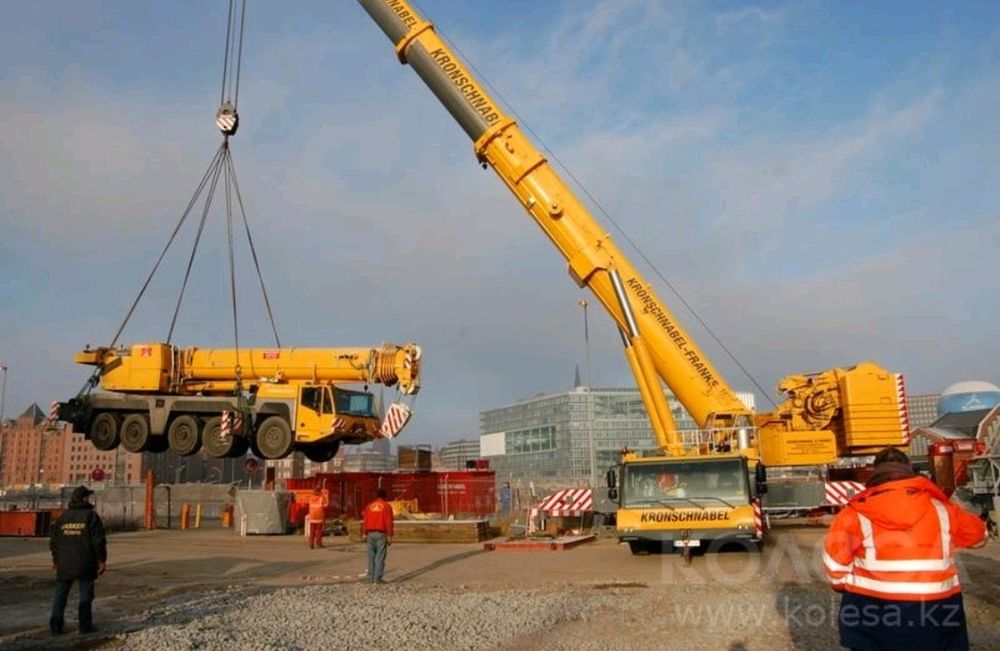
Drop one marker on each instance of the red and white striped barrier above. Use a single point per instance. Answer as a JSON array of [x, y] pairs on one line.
[[569, 502], [841, 492]]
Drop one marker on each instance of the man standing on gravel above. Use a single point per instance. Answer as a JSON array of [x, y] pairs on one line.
[[377, 529], [891, 553], [316, 520], [79, 553]]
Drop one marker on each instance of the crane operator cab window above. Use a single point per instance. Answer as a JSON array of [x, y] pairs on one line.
[[311, 397], [647, 484], [354, 403]]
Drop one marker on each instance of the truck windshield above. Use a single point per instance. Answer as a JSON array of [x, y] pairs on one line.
[[684, 482], [354, 403]]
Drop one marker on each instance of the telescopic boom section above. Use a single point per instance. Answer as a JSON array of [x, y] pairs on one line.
[[588, 249], [162, 368]]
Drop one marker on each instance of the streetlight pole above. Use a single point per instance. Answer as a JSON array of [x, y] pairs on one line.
[[590, 398], [3, 403], [3, 393]]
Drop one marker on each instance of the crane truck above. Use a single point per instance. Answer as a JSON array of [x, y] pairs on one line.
[[702, 488], [157, 396]]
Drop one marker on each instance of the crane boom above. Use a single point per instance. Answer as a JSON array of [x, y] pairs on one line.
[[851, 411], [587, 248], [158, 367]]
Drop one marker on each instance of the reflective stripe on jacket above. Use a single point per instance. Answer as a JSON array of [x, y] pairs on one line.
[[896, 541], [317, 507]]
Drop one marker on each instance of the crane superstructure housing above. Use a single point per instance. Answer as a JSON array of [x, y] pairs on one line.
[[824, 417]]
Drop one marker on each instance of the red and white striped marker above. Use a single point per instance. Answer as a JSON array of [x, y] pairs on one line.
[[904, 412], [841, 492], [758, 519], [396, 417], [232, 422]]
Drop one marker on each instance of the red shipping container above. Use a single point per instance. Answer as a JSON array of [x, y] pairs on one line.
[[460, 493]]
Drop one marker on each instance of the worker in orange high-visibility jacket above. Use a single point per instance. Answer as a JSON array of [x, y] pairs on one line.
[[316, 520], [890, 552], [377, 529]]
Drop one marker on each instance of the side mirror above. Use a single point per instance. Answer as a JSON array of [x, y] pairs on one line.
[[611, 479], [760, 476], [613, 494]]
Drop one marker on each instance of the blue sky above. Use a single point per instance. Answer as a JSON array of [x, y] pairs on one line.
[[818, 179]]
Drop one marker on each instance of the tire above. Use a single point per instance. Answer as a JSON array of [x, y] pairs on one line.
[[321, 452], [240, 446], [274, 438], [135, 433], [213, 442], [183, 435], [638, 548], [104, 431], [158, 443]]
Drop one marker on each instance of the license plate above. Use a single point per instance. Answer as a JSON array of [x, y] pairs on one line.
[[687, 543]]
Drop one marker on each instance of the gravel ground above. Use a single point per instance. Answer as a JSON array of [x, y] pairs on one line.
[[210, 591], [358, 616]]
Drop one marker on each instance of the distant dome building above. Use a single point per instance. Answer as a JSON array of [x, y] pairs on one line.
[[968, 396]]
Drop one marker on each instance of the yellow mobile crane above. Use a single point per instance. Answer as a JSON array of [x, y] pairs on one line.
[[704, 487], [273, 400]]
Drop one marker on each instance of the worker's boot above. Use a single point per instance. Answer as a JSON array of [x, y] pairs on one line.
[[86, 619], [56, 625]]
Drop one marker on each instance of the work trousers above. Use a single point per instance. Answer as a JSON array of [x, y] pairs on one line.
[[315, 533], [84, 612], [870, 624], [376, 555]]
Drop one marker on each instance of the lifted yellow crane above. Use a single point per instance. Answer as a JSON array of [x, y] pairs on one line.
[[704, 487], [273, 400]]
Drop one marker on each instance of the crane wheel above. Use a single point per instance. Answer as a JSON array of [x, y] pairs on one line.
[[240, 446], [213, 442], [135, 432], [638, 548], [321, 452], [274, 438], [158, 443], [182, 435], [104, 431]]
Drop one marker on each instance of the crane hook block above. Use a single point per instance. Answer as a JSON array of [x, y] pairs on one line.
[[227, 119]]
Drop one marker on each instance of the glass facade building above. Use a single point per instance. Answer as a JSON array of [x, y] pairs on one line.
[[546, 439]]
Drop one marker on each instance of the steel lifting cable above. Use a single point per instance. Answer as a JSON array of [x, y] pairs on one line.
[[253, 250], [209, 173], [221, 164], [676, 292], [197, 240], [227, 118]]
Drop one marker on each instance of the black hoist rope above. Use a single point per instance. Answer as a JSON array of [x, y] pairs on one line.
[[221, 164], [253, 251], [197, 240]]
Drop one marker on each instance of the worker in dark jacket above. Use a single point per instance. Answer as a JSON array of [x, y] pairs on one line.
[[79, 553]]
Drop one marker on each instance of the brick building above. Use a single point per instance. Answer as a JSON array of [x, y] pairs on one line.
[[35, 454]]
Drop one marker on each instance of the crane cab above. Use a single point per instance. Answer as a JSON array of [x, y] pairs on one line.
[[688, 502]]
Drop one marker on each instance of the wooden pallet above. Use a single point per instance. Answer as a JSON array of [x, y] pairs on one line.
[[432, 531], [540, 545]]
